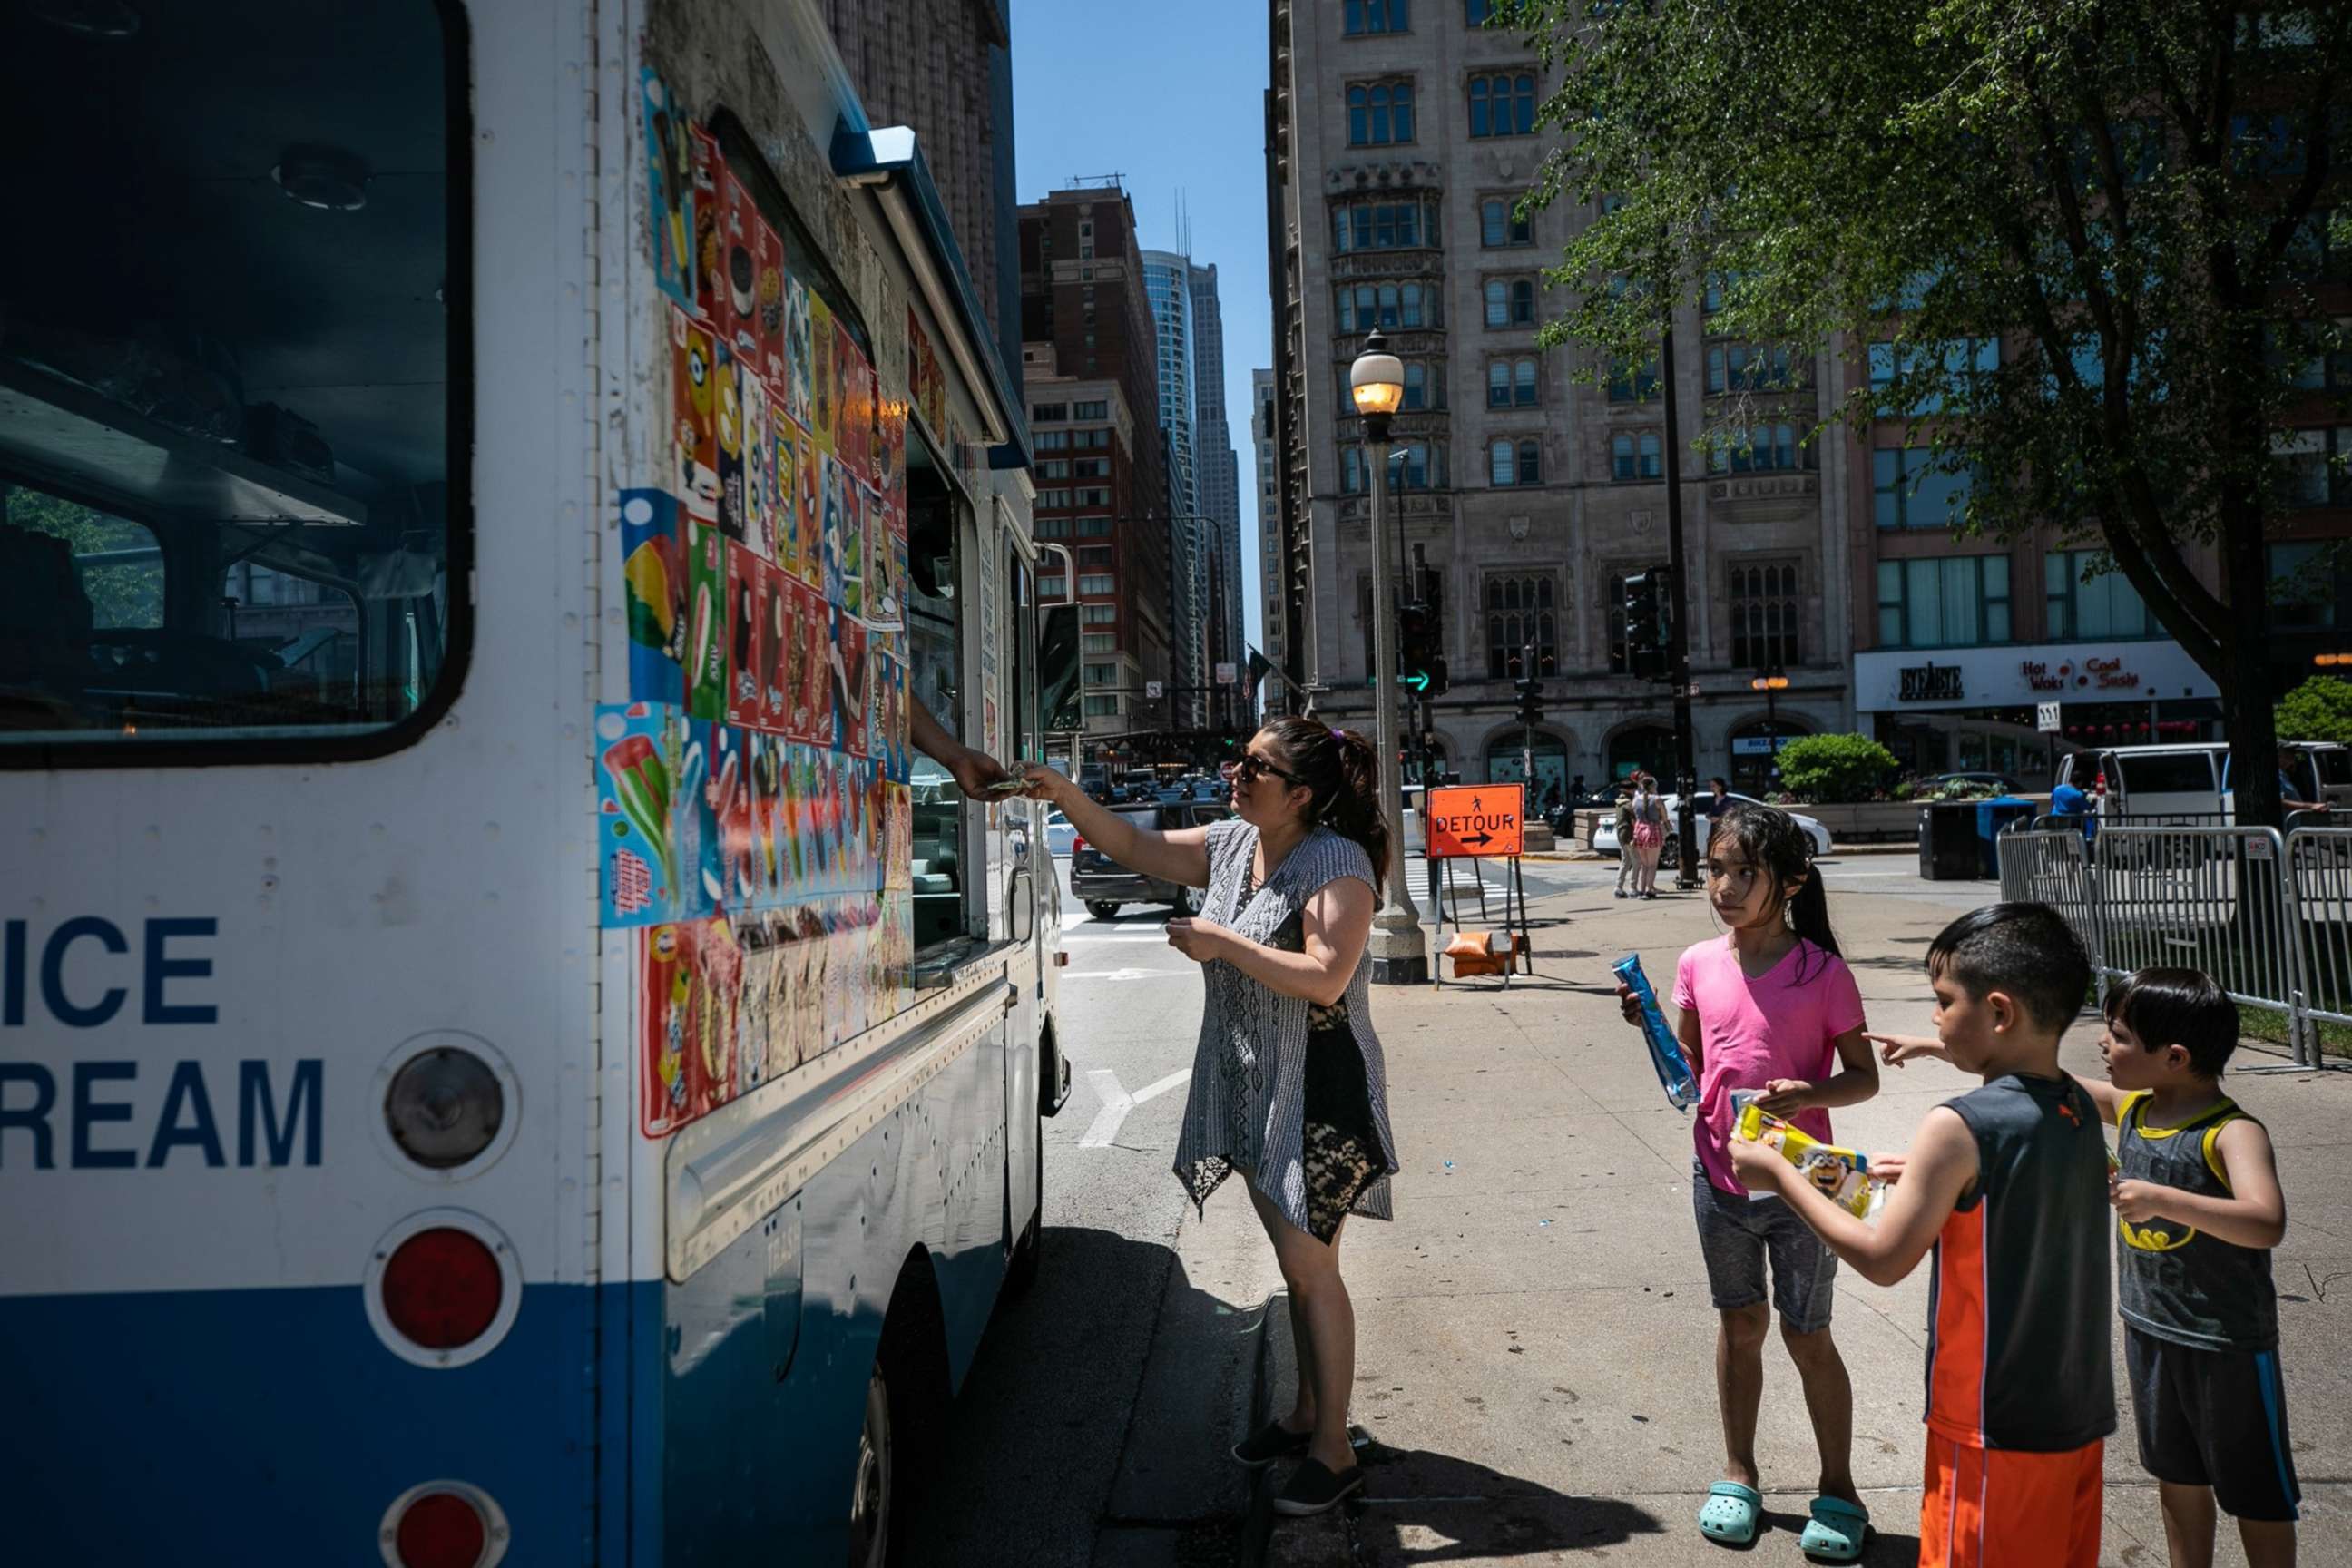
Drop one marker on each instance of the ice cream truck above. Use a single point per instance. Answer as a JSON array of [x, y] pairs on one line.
[[515, 1045]]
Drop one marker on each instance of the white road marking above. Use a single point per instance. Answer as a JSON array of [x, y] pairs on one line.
[[1124, 974], [1117, 1102]]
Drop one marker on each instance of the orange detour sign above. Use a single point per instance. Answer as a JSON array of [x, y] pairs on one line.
[[1473, 820]]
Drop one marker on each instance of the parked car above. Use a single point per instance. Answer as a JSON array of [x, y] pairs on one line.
[[1059, 834], [1604, 835], [1103, 885]]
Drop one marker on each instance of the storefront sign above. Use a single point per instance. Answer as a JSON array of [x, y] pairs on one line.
[[1932, 683]]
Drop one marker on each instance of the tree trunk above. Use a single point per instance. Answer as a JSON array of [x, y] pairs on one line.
[[2248, 716]]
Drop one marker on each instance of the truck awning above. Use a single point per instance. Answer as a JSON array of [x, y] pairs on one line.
[[891, 162]]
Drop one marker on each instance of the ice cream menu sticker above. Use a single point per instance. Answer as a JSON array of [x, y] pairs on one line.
[[754, 820]]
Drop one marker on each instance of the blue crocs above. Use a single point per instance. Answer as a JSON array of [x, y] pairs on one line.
[[1731, 1513], [1837, 1530]]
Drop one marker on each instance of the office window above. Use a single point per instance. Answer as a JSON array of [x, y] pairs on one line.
[[1098, 642], [1098, 614], [1099, 409], [1503, 104], [1633, 384], [1102, 706], [1521, 611], [1909, 494], [1362, 17], [1382, 226], [2105, 605], [1093, 528], [1048, 413], [1098, 496], [1052, 528], [1091, 468], [1096, 582], [1944, 602], [1053, 440], [1101, 674], [1500, 226], [2310, 466], [1742, 367], [1764, 616], [1380, 113], [1515, 462], [1758, 449], [1511, 383], [1947, 370], [1475, 12], [1055, 498], [1049, 589], [1094, 555], [2303, 587], [1056, 469]]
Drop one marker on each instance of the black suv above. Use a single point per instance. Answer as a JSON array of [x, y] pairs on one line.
[[1102, 884]]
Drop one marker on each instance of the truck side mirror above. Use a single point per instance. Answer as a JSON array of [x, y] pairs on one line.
[[1058, 669]]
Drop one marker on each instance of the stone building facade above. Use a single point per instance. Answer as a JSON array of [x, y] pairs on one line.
[[1399, 141]]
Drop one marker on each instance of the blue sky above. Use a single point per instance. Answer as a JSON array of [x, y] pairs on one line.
[[1173, 100]]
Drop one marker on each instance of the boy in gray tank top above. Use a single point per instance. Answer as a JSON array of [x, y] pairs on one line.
[[2197, 1209]]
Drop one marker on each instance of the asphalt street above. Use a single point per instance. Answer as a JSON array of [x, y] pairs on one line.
[[1057, 1450]]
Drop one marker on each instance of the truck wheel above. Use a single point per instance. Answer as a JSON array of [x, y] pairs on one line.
[[1102, 908], [897, 1446], [1028, 1249]]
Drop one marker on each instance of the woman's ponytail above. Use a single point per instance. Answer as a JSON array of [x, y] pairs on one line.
[[1342, 773]]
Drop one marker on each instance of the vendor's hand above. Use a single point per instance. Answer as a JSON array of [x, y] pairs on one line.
[[1200, 941], [2137, 1201], [1629, 1004], [974, 772], [1757, 1167], [1888, 1167], [1784, 1097], [1897, 1049]]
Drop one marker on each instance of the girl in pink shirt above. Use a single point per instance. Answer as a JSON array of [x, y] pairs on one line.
[[1770, 1007]]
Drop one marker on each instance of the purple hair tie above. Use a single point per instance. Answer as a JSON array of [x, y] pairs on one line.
[[1338, 734]]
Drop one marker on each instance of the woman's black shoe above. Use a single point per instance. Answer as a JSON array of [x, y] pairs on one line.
[[1270, 1442], [1314, 1488]]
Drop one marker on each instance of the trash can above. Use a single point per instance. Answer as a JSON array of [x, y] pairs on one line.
[[1948, 842], [1993, 818]]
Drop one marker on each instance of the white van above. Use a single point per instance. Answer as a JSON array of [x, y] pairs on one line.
[[2192, 780]]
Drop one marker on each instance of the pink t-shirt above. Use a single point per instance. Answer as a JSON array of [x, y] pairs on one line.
[[1783, 1024]]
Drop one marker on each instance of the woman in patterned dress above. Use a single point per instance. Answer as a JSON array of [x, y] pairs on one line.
[[1287, 1083]]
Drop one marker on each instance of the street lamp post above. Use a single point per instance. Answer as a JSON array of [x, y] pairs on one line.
[[1376, 381], [1771, 682]]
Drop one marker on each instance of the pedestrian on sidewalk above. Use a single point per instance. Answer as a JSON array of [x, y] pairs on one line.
[[1649, 835], [1629, 865], [1770, 1010], [2009, 1185], [1289, 1087]]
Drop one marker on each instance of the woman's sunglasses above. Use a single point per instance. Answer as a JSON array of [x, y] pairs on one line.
[[1246, 771]]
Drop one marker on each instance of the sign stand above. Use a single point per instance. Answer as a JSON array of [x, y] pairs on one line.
[[1480, 822]]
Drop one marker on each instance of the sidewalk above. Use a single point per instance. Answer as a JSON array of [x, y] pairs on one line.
[[1535, 1340]]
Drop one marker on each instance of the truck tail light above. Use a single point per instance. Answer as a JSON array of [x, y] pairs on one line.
[[442, 1289], [443, 1524]]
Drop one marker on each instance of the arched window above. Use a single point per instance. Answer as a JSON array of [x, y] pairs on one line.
[[1653, 458], [1530, 462], [1410, 315], [1523, 303], [1620, 458], [1359, 118], [1416, 384], [1499, 225], [1499, 462], [1523, 382], [1503, 104], [1521, 611], [1401, 97], [1498, 303], [1498, 383], [1764, 616], [1388, 305]]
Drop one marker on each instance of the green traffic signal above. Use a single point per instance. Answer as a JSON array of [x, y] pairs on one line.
[[1418, 681]]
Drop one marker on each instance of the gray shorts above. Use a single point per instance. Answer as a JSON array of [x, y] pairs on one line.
[[1737, 1234]]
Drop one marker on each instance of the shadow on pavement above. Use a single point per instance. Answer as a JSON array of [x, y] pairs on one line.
[[1036, 1451], [1426, 1506]]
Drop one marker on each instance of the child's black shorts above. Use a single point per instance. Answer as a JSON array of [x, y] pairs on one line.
[[2214, 1419]]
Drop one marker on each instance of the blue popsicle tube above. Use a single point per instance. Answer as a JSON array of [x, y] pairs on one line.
[[1665, 1052]]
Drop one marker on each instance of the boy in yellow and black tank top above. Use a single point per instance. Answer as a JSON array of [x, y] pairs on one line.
[[2197, 1209]]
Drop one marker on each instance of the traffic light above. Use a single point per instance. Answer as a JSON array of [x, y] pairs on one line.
[[1649, 614], [1417, 642], [1530, 709]]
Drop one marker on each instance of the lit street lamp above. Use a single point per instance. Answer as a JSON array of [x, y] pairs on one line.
[[1376, 381], [1770, 683]]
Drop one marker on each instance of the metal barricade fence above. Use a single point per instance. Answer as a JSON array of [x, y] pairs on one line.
[[2319, 873], [2270, 923]]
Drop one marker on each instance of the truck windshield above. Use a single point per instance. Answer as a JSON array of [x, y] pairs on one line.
[[225, 395]]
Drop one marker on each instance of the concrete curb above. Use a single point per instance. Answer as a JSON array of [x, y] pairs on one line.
[[1257, 1523]]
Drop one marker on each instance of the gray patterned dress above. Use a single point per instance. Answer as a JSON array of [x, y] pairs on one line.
[[1248, 1107]]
